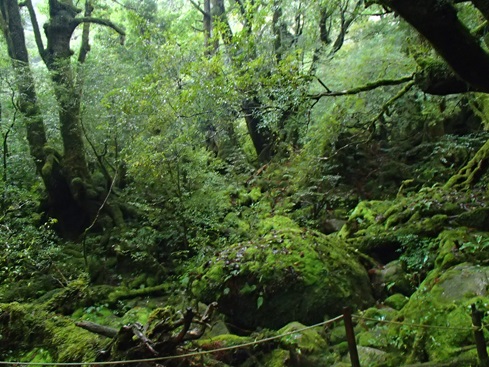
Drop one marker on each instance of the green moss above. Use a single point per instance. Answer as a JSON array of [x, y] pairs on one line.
[[277, 358], [342, 349], [255, 194], [222, 341], [307, 341], [233, 222], [472, 171], [396, 301], [68, 299], [288, 273], [124, 293], [450, 240], [276, 223], [461, 245], [97, 314], [37, 355], [160, 316], [365, 214], [442, 302], [136, 314], [425, 213], [138, 282], [337, 335], [26, 328], [73, 344]]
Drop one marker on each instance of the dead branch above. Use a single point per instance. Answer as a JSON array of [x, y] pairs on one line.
[[158, 338], [97, 329]]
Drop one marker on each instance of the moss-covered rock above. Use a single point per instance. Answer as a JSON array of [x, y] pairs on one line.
[[391, 278], [69, 298], [396, 301], [373, 357], [235, 356], [306, 348], [424, 213], [287, 273], [372, 329], [26, 328], [308, 341], [435, 325]]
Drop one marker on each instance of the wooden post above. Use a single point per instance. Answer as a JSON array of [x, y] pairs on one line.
[[350, 337], [480, 342]]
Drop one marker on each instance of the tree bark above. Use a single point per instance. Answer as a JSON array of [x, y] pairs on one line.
[[437, 21], [103, 330], [57, 56], [261, 136], [27, 101]]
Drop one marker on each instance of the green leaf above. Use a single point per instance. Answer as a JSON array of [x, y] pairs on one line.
[[259, 302]]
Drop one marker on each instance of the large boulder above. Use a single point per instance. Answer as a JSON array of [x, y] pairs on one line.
[[435, 325], [286, 274]]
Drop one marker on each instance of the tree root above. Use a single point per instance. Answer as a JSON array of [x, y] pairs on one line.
[[471, 173]]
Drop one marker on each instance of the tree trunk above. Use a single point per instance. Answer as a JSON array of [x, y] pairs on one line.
[[261, 136], [71, 198], [438, 22], [57, 57], [60, 203], [27, 101]]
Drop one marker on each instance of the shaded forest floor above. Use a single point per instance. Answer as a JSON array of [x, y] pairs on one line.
[[395, 234]]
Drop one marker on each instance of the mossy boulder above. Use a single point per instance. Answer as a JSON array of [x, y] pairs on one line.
[[372, 328], [435, 324], [460, 245], [391, 278], [285, 274], [425, 214], [307, 348]]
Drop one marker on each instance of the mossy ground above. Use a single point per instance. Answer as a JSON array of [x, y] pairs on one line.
[[278, 272], [23, 326]]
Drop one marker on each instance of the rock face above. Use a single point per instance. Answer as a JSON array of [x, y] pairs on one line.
[[286, 274], [463, 281], [435, 324]]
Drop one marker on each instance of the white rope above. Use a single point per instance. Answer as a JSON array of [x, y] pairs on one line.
[[413, 324], [192, 354]]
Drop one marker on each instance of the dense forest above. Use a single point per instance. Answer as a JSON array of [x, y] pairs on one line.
[[185, 176]]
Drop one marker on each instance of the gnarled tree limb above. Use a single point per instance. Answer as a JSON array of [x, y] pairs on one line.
[[363, 88], [104, 22]]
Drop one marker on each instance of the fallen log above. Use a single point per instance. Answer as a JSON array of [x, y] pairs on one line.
[[106, 331]]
